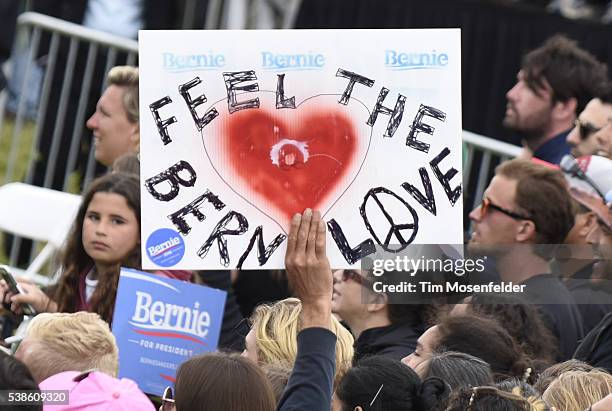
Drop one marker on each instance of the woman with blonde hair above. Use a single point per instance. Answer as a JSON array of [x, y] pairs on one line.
[[273, 336], [577, 390]]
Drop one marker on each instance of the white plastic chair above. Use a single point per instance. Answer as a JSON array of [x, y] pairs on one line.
[[40, 214]]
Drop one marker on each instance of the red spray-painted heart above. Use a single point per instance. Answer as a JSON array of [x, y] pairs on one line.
[[283, 161]]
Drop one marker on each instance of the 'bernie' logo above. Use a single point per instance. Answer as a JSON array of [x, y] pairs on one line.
[[158, 249], [209, 61], [396, 60], [169, 320], [308, 61]]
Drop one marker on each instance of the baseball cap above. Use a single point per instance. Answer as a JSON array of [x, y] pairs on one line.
[[96, 391], [590, 182]]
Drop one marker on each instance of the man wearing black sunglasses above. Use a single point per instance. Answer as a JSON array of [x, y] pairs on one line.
[[592, 129], [555, 83], [526, 210]]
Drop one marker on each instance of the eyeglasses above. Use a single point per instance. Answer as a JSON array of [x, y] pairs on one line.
[[517, 395], [585, 129], [487, 204], [355, 276], [167, 400], [479, 392]]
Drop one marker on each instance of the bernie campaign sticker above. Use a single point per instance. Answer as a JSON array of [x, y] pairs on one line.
[[165, 247]]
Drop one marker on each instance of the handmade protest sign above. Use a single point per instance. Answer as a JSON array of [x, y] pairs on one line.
[[242, 129], [159, 323]]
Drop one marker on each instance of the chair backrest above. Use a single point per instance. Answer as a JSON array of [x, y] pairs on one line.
[[39, 214]]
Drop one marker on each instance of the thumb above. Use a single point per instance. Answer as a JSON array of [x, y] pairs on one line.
[[22, 298], [31, 295]]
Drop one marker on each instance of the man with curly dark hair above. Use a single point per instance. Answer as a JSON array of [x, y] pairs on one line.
[[554, 84]]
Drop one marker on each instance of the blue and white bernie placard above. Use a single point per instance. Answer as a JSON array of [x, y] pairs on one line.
[[159, 323]]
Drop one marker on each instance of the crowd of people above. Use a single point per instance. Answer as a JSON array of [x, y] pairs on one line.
[[320, 339]]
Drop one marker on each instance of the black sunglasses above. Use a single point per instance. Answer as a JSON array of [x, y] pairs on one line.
[[585, 129], [355, 276], [487, 204]]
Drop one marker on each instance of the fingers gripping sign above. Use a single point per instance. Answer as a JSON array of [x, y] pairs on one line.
[[308, 268]]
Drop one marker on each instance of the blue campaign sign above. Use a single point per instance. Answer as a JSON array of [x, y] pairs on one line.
[[159, 323]]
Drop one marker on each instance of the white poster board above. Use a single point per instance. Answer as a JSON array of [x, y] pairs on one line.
[[241, 129]]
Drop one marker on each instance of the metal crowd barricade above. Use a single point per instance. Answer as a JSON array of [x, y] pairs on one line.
[[481, 154], [32, 28]]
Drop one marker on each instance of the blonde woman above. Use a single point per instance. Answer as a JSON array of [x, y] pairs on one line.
[[273, 336], [577, 390]]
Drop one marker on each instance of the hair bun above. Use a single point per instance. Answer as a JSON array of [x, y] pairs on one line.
[[433, 391]]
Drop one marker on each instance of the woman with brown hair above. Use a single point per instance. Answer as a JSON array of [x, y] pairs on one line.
[[222, 381], [521, 319]]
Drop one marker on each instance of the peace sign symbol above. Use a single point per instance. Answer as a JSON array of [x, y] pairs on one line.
[[396, 229]]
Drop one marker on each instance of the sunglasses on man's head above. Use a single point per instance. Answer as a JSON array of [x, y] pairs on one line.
[[585, 129], [167, 399], [487, 205]]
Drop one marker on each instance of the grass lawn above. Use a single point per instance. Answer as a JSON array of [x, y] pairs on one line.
[[23, 145]]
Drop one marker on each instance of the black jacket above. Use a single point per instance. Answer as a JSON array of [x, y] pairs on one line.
[[559, 311], [594, 302], [311, 382], [394, 341], [596, 348], [234, 327]]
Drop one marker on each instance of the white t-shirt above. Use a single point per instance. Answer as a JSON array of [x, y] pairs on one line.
[[90, 285]]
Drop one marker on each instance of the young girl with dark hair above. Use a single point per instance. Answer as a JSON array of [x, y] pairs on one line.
[[105, 236], [478, 336], [380, 383]]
